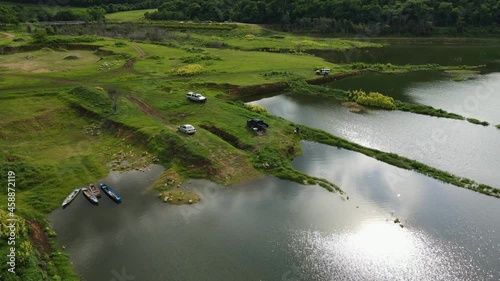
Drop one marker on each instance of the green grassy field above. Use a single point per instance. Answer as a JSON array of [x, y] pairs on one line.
[[136, 15]]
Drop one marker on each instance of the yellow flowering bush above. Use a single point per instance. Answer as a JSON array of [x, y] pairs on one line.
[[189, 70]]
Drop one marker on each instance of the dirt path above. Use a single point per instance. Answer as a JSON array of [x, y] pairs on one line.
[[7, 35], [146, 108], [141, 52]]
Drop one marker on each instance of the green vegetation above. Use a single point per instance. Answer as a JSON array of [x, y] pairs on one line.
[[426, 110], [498, 126], [137, 15], [32, 263], [16, 14], [451, 17], [362, 17], [189, 70], [460, 78], [462, 71], [256, 108], [478, 122], [372, 99]]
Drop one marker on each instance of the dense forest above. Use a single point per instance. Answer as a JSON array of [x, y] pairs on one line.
[[10, 14], [341, 16], [418, 17]]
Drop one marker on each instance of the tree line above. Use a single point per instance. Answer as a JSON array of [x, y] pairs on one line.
[[418, 17], [378, 17], [19, 14]]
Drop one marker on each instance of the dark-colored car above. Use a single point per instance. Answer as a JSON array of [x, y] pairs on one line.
[[258, 126]]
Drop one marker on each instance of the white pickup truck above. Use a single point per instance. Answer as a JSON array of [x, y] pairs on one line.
[[196, 97]]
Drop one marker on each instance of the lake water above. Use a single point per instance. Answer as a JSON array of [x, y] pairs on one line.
[[272, 229], [478, 98], [456, 146], [419, 52]]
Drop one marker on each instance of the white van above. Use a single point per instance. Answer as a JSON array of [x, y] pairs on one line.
[[323, 71]]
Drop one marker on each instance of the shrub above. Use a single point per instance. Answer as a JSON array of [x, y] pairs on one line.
[[256, 108], [277, 73], [198, 58], [373, 99], [189, 70], [478, 122], [498, 126], [216, 44]]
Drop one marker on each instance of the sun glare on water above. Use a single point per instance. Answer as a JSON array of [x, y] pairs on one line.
[[378, 251]]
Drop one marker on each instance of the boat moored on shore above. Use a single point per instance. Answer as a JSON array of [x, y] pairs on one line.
[[111, 193], [70, 197], [90, 196]]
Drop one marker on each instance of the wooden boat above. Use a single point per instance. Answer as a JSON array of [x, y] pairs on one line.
[[94, 190], [111, 192], [70, 197], [90, 195]]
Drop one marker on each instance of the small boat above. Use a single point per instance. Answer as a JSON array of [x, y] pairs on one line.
[[70, 197], [111, 192], [90, 195], [94, 190]]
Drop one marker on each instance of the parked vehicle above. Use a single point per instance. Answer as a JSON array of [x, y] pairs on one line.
[[323, 71], [70, 197], [187, 129], [111, 193], [95, 190], [196, 97], [90, 196], [258, 126]]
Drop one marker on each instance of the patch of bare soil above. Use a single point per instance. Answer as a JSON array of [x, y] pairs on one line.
[[39, 237], [129, 64]]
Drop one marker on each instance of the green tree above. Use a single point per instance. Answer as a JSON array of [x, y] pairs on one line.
[[39, 36]]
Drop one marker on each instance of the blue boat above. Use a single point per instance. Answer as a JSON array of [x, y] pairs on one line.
[[111, 192]]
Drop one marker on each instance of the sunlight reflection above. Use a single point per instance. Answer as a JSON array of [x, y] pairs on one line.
[[376, 240], [379, 251]]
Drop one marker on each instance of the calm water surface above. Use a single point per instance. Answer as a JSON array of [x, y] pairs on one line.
[[456, 146], [478, 98], [271, 229], [415, 53]]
